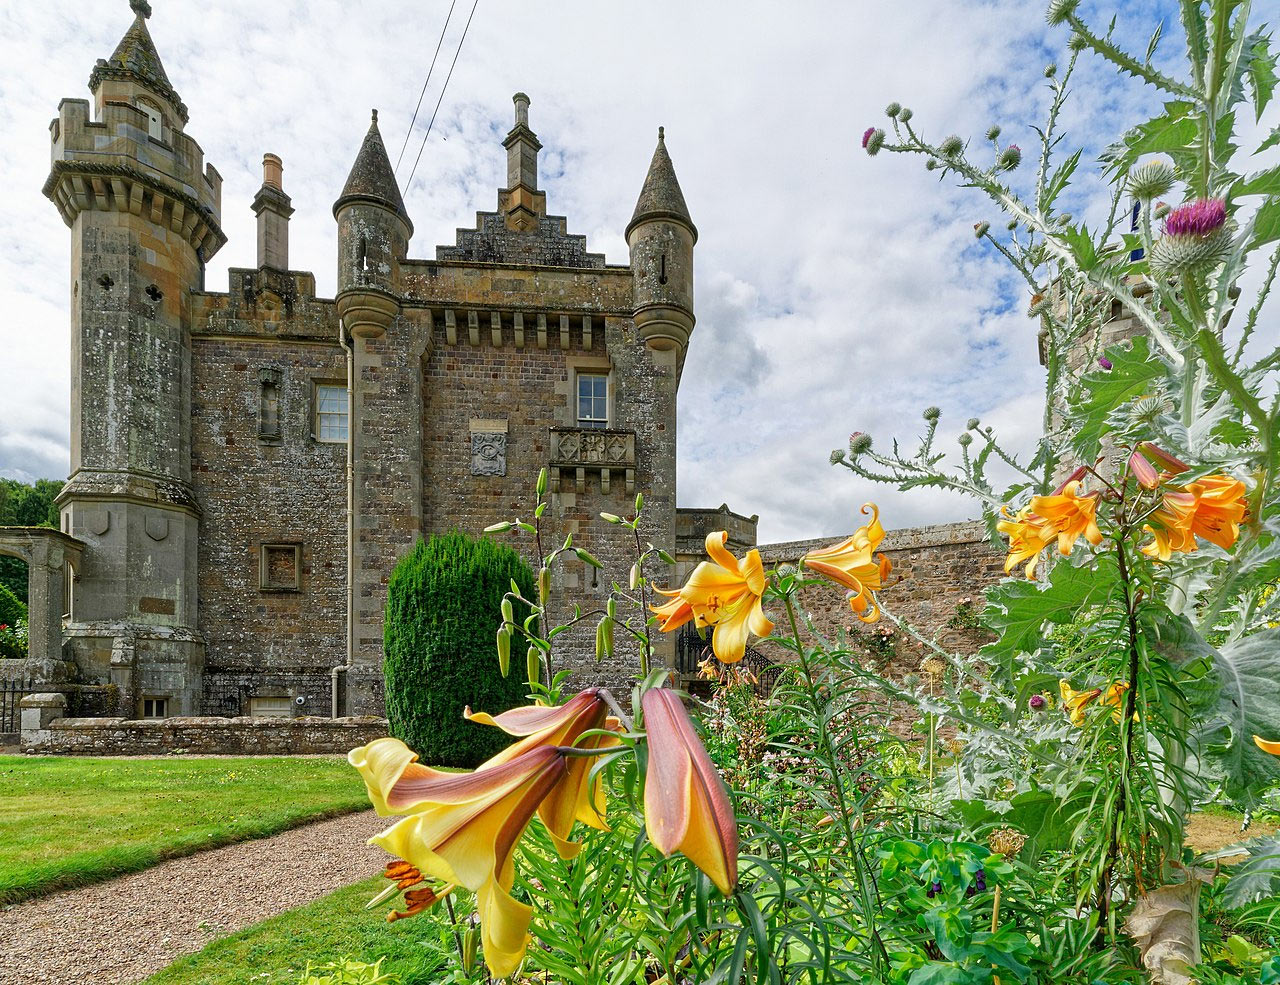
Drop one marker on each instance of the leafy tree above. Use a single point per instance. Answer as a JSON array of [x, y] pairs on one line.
[[443, 614], [24, 505]]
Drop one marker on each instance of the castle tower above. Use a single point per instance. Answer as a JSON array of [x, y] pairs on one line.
[[661, 236], [144, 216]]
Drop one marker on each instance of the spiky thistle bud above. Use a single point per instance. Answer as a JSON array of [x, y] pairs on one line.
[[1009, 158], [1077, 42], [1011, 225], [1038, 702], [993, 132], [952, 146], [932, 165], [1060, 10], [904, 114], [1050, 70], [837, 456], [1148, 408], [859, 443], [1161, 210], [932, 413], [980, 229], [872, 140], [893, 109], [972, 423], [1064, 219], [965, 439], [1151, 180], [1104, 362]]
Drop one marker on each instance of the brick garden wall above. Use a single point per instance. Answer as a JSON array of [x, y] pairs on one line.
[[202, 736]]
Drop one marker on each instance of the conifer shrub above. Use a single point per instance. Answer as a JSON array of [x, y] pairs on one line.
[[442, 617]]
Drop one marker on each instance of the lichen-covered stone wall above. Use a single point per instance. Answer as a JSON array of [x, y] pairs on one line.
[[202, 736]]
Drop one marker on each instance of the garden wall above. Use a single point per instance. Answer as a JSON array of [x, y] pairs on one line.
[[201, 736]]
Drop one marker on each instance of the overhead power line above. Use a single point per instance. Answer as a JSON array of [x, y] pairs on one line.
[[425, 83], [443, 90]]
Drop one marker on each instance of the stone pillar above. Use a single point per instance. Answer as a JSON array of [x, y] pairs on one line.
[[273, 209], [38, 710]]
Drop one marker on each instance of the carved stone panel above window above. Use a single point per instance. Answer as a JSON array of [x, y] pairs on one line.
[[488, 453]]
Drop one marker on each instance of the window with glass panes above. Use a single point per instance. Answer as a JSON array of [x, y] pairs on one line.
[[331, 412], [593, 400]]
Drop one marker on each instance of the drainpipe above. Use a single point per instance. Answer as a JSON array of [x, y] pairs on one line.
[[351, 521]]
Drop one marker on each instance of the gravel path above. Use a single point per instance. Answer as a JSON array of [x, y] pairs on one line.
[[123, 930]]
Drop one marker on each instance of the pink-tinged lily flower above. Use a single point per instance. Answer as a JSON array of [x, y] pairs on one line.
[[723, 593], [462, 829], [576, 797], [1162, 458], [1143, 472], [686, 805], [853, 564]]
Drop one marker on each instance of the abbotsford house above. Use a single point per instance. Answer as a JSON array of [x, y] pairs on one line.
[[247, 465]]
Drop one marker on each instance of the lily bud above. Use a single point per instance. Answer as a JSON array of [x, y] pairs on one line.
[[1163, 458], [634, 579], [504, 651], [470, 940], [611, 607], [508, 614], [586, 557], [498, 528], [544, 585], [604, 647], [610, 517], [1143, 471], [533, 665], [639, 503], [542, 482]]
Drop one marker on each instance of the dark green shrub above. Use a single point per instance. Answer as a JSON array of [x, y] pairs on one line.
[[12, 612], [442, 618], [12, 608]]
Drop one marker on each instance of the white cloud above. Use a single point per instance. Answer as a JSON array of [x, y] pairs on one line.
[[835, 292]]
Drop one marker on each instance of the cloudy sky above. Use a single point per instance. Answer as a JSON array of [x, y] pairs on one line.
[[835, 292]]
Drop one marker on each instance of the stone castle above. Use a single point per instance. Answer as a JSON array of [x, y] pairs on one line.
[[247, 466]]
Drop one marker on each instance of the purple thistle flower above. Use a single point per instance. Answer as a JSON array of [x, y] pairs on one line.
[[1198, 218], [1038, 702], [1104, 362], [866, 136]]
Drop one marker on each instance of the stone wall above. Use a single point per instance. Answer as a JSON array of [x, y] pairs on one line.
[[938, 572], [262, 478], [201, 736]]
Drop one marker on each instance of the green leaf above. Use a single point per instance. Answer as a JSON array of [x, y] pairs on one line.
[[1133, 368], [1266, 224], [1255, 878], [1173, 133], [1263, 183], [1261, 72], [1060, 179], [1018, 611], [1249, 705], [1081, 246], [1273, 138]]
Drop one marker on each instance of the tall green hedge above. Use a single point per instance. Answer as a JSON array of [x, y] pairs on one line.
[[442, 619]]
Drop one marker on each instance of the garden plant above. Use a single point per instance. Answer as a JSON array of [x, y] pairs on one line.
[[1133, 673]]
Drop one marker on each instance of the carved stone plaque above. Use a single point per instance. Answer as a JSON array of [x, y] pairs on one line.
[[488, 453]]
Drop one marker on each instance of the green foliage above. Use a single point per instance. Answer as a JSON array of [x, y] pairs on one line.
[[23, 505], [443, 604], [348, 971], [13, 624], [12, 609]]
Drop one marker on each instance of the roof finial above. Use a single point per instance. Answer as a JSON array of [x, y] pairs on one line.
[[375, 116], [141, 8], [661, 132]]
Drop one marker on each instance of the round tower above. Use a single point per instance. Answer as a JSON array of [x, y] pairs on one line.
[[373, 238], [661, 236]]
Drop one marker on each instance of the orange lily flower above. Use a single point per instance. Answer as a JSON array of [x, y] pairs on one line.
[[1076, 703], [1028, 536], [850, 563], [463, 829], [686, 805], [1070, 515], [1211, 508], [723, 593], [1266, 746], [576, 797]]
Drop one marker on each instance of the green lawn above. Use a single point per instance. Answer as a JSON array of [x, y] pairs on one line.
[[276, 951], [70, 821]]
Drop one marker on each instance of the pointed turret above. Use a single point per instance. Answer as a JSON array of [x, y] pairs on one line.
[[661, 237], [372, 178], [661, 197], [373, 238], [136, 61]]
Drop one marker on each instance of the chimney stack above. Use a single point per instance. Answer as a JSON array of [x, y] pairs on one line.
[[273, 208]]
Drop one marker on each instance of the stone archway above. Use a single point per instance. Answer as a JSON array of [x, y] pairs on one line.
[[51, 557]]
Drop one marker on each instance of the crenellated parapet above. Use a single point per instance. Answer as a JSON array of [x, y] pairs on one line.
[[112, 164]]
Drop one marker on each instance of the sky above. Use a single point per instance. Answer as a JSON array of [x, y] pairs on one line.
[[835, 292]]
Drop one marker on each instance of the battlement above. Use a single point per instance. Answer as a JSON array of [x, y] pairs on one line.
[[116, 164]]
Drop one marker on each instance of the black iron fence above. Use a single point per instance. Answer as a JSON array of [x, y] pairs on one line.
[[691, 650], [11, 695]]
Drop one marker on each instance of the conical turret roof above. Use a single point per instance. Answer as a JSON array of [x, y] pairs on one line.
[[136, 58], [661, 198], [372, 178]]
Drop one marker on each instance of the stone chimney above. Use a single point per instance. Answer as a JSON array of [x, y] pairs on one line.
[[273, 208], [521, 200]]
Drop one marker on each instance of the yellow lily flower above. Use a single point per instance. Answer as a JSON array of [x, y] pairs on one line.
[[1028, 537], [723, 593], [850, 563], [686, 805], [1076, 703], [463, 829], [1070, 515], [575, 798], [1266, 746], [1211, 508]]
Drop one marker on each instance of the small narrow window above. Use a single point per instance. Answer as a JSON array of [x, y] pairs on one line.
[[155, 707], [270, 707], [593, 400], [269, 405], [662, 273], [155, 123], [331, 412]]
